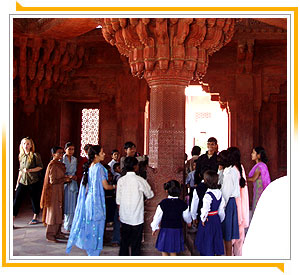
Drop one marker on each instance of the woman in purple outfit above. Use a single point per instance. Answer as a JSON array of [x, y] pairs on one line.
[[259, 174]]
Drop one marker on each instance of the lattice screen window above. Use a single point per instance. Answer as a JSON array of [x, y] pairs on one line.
[[202, 115], [89, 128]]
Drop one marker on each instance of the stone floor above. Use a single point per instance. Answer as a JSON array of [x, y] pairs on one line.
[[29, 240]]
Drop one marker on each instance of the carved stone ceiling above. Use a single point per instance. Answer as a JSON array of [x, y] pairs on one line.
[[66, 28], [73, 40], [55, 28]]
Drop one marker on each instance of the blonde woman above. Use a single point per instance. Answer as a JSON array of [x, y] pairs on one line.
[[28, 178]]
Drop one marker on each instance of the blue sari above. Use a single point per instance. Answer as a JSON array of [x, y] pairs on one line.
[[70, 192], [89, 220]]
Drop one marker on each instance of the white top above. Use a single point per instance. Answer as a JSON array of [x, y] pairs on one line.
[[221, 176], [231, 183], [194, 205], [159, 213], [207, 200], [130, 196], [111, 164]]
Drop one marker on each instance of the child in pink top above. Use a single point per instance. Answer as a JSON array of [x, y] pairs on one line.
[[242, 202]]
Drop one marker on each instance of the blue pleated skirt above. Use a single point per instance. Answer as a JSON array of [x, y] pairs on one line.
[[170, 240], [209, 239], [230, 225]]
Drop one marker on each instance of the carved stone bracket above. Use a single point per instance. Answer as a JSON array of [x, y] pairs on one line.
[[41, 64], [245, 53]]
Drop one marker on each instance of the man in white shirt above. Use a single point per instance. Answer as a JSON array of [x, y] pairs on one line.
[[130, 199], [114, 159]]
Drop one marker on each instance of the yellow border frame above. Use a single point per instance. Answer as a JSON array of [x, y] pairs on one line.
[[21, 8]]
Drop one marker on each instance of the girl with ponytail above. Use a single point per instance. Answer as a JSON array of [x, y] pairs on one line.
[[89, 220], [242, 202], [230, 180]]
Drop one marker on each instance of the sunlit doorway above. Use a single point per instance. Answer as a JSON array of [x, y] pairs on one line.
[[204, 119]]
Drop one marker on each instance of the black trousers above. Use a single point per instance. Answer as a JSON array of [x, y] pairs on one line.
[[131, 236], [34, 193]]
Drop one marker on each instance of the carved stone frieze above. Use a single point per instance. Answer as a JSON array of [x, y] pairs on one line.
[[259, 25]]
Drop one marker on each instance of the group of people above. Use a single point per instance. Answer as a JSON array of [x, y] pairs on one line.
[[83, 197], [59, 186], [218, 196], [83, 200]]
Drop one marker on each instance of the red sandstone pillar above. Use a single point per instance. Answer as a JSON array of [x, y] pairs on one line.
[[168, 53], [166, 142], [166, 133]]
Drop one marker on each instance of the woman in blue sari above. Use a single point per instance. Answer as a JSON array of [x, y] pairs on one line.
[[71, 188], [89, 220]]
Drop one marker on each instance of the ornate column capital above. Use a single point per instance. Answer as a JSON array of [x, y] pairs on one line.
[[165, 47]]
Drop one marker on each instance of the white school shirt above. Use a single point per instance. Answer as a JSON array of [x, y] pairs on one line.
[[194, 205], [111, 164], [130, 196], [231, 183], [207, 200], [186, 215]]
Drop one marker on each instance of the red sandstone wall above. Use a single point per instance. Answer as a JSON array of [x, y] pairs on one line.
[[256, 100], [43, 127], [120, 98], [251, 84]]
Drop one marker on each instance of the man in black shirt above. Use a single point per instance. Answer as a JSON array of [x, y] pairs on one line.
[[207, 161]]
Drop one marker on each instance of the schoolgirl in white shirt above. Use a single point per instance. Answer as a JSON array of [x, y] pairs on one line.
[[230, 191], [209, 238]]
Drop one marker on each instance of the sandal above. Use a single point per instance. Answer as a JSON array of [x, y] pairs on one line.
[[33, 221], [62, 237]]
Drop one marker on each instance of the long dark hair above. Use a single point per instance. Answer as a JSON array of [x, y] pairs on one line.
[[235, 160], [222, 158], [93, 150], [261, 151]]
